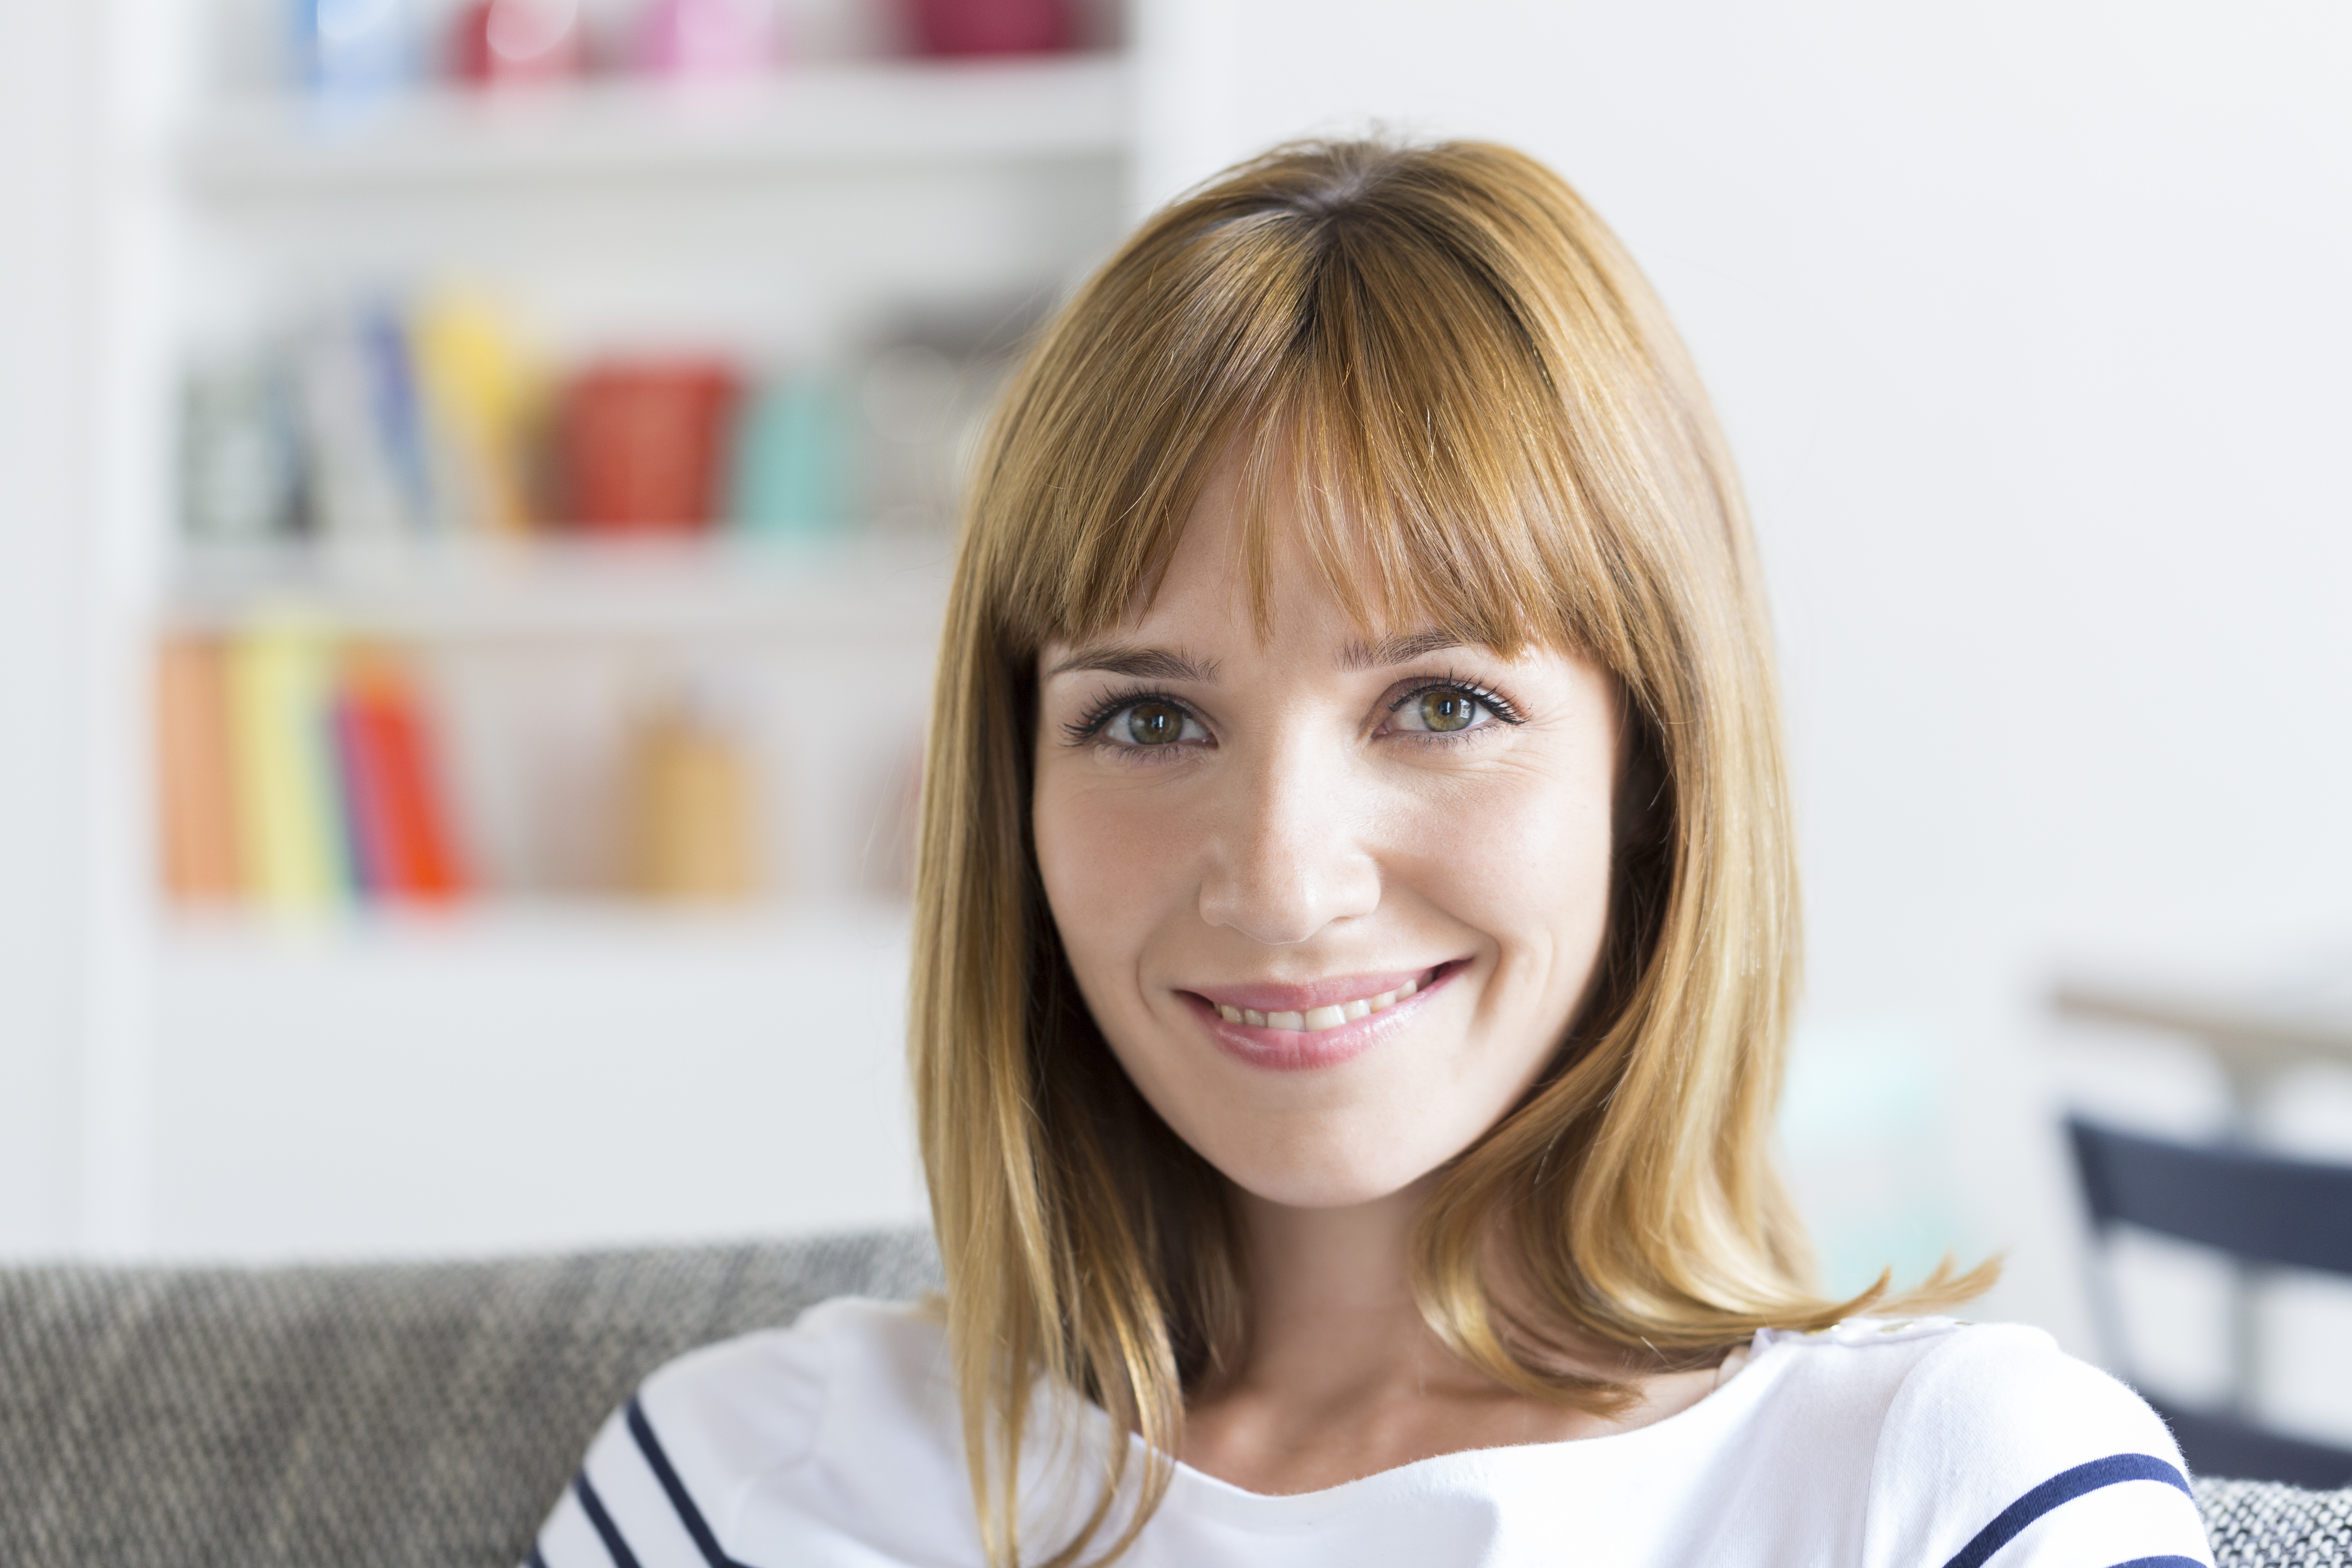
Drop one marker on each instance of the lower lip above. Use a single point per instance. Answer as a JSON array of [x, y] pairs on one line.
[[1300, 1051]]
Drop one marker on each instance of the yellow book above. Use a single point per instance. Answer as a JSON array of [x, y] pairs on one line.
[[483, 389], [288, 816]]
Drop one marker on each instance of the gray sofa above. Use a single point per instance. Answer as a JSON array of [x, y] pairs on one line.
[[428, 1413]]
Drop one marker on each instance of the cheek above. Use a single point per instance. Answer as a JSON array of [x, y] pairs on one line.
[[1110, 869], [1524, 856]]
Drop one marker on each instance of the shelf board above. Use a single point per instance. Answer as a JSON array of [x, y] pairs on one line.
[[479, 587], [803, 119], [602, 930]]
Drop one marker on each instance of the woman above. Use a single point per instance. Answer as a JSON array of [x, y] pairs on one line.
[[1357, 928]]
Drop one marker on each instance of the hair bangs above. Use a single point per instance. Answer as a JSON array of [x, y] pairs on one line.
[[1402, 420]]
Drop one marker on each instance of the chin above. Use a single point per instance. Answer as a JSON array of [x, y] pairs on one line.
[[1334, 1184]]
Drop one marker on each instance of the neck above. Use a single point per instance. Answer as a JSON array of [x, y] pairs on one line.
[[1331, 1306], [1343, 1379]]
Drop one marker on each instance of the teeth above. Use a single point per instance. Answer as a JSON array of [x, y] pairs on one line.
[[1316, 1019]]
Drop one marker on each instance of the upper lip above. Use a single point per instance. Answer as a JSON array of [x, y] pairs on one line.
[[1266, 996]]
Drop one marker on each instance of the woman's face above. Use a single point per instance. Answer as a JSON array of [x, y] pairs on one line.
[[1332, 895]]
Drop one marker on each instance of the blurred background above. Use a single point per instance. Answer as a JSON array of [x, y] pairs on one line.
[[475, 483]]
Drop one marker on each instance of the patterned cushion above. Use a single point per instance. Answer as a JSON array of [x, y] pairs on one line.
[[2261, 1524], [429, 1414], [417, 1415]]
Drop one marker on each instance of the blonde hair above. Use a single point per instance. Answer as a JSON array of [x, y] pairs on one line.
[[1482, 419]]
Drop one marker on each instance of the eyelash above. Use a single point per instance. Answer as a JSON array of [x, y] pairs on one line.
[[1493, 701], [1089, 726]]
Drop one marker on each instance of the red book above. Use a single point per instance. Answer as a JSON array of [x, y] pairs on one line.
[[642, 446], [401, 841]]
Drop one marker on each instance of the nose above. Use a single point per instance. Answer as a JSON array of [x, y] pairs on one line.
[[1289, 850]]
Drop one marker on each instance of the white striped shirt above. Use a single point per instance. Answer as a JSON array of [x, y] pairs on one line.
[[836, 1444]]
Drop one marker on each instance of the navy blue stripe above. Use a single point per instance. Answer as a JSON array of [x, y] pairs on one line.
[[2161, 1562], [622, 1556], [534, 1560], [688, 1514], [2062, 1487]]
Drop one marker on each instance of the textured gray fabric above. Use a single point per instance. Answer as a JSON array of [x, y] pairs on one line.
[[353, 1416], [427, 1415], [2262, 1524]]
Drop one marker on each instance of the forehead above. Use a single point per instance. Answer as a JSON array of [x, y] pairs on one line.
[[1247, 566]]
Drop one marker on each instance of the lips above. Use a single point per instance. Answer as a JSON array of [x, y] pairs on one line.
[[1319, 1023], [1315, 1020], [1336, 992]]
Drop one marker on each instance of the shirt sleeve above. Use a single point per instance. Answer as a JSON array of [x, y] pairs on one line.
[[660, 1482], [2002, 1451]]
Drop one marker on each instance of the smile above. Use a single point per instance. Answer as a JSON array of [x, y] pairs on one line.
[[1320, 1024], [1315, 1020]]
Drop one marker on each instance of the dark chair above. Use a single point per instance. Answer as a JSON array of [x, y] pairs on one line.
[[2265, 1211]]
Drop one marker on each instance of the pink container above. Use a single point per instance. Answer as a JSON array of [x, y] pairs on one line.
[[706, 39], [992, 26], [502, 42]]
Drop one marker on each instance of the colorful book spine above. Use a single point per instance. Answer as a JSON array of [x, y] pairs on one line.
[[399, 829], [196, 788], [483, 392], [289, 832]]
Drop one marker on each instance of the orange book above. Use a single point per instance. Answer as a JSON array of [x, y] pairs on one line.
[[400, 826], [196, 790]]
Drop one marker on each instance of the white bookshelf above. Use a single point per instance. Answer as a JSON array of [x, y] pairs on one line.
[[566, 587], [819, 118], [443, 1081], [523, 1078]]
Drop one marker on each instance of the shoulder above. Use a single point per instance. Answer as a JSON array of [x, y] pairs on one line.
[[759, 1401], [1996, 1440], [668, 1475]]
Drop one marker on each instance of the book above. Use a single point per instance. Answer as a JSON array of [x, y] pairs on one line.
[[196, 792], [368, 468], [483, 392], [288, 818], [399, 828]]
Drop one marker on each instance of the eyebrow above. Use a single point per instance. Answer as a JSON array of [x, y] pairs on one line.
[[1400, 649], [1173, 664], [1140, 663]]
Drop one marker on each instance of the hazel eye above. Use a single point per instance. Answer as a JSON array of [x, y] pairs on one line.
[[1447, 710], [1444, 710], [1154, 724]]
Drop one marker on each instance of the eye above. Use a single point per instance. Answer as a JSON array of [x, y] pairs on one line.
[[1152, 725], [1443, 711]]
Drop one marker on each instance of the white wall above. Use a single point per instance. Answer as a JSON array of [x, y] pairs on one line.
[[49, 134], [2029, 324]]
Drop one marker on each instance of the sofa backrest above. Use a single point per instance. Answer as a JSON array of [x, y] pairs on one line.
[[384, 1415], [427, 1415]]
